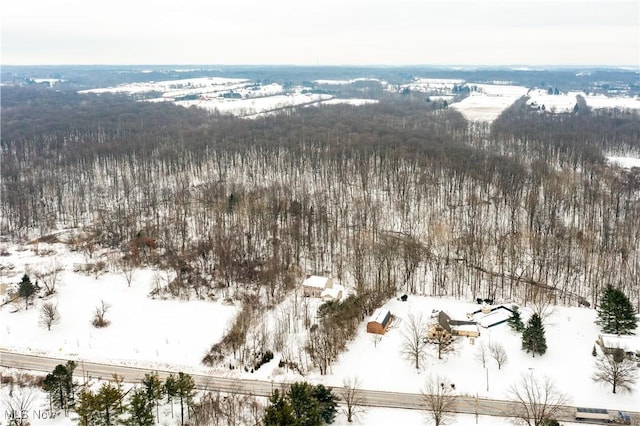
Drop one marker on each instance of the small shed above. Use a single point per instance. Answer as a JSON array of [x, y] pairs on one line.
[[379, 321], [331, 294], [314, 285]]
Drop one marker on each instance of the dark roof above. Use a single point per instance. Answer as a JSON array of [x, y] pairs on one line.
[[460, 322], [385, 321], [444, 321]]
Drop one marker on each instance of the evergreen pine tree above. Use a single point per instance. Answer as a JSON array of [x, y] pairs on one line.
[[140, 409], [279, 411], [108, 401], [594, 352], [171, 389], [328, 402], [154, 390], [616, 314], [26, 289], [185, 387], [306, 408], [87, 408], [302, 405], [59, 384], [533, 339], [514, 321]]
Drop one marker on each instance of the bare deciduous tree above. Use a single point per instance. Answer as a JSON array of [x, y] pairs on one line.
[[621, 374], [443, 340], [414, 339], [537, 399], [439, 400], [49, 277], [100, 312], [98, 269], [544, 306], [482, 354], [353, 398], [127, 267], [49, 315], [499, 354], [376, 338], [17, 404]]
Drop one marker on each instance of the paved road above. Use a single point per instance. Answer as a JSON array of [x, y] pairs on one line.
[[373, 398]]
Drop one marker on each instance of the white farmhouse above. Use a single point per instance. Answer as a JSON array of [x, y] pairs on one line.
[[314, 285]]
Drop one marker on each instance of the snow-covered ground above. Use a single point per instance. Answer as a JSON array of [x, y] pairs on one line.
[[570, 333], [565, 102], [173, 88], [176, 334], [621, 102], [244, 98], [560, 103], [142, 330], [433, 85], [232, 96], [345, 82], [488, 102], [625, 162], [387, 416]]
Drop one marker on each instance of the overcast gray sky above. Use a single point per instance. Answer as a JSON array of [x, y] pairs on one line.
[[327, 32]]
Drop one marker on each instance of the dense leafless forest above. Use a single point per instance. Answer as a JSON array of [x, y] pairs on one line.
[[401, 196]]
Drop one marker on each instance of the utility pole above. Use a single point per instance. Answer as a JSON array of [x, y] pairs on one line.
[[476, 401], [487, 369]]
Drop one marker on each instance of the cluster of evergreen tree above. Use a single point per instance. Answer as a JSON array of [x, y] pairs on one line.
[[302, 405], [533, 338], [60, 386], [111, 404]]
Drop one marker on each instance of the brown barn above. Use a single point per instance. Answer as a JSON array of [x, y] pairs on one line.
[[379, 321]]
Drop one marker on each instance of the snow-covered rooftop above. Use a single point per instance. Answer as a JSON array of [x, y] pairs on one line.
[[315, 281], [626, 342], [493, 317], [379, 315]]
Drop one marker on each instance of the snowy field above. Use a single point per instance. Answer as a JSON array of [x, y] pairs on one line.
[[621, 102], [560, 103], [143, 331], [625, 162], [433, 85], [488, 102], [229, 96], [244, 98]]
